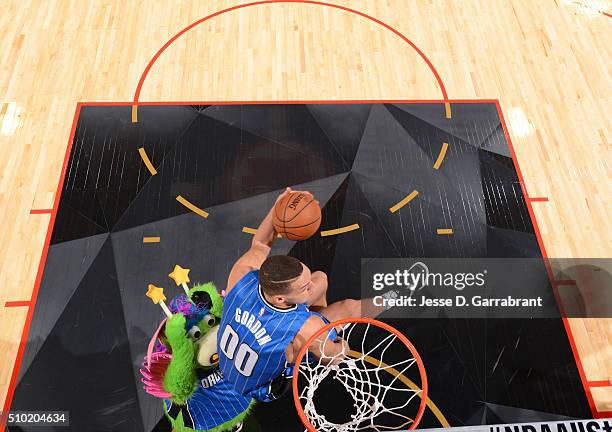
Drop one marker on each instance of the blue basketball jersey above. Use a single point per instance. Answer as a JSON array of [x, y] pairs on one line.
[[213, 403], [253, 336]]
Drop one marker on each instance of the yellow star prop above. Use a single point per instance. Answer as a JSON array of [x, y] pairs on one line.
[[180, 275], [156, 294]]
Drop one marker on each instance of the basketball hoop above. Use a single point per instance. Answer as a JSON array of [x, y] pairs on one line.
[[383, 398]]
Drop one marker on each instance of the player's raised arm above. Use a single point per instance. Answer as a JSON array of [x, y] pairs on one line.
[[259, 250]]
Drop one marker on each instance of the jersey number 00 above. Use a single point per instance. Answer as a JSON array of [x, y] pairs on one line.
[[244, 357]]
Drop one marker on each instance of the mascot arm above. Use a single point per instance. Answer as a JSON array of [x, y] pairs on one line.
[[180, 379]]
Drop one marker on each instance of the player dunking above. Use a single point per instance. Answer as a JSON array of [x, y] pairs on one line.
[[273, 305]]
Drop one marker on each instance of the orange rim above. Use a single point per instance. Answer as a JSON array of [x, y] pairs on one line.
[[382, 325]]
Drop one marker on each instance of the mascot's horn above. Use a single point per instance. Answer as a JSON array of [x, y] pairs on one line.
[[154, 340]]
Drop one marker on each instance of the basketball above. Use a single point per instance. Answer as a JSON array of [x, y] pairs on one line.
[[297, 216]]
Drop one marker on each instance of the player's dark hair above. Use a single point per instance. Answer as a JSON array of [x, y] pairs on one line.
[[277, 272]]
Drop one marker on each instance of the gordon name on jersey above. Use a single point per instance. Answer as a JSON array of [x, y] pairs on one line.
[[250, 321]]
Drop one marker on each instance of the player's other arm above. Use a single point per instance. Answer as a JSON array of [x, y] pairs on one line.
[[330, 351], [259, 250]]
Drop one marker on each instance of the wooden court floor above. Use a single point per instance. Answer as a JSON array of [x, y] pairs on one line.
[[546, 61]]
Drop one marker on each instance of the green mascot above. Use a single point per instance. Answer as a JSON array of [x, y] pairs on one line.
[[181, 365]]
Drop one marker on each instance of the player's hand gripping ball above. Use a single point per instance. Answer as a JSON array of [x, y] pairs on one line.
[[297, 215]]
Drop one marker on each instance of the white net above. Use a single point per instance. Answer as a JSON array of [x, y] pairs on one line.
[[383, 397]]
